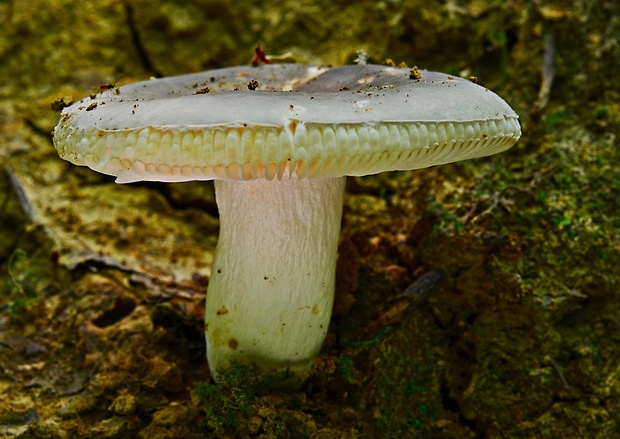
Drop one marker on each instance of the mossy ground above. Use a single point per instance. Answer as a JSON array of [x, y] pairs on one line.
[[520, 335]]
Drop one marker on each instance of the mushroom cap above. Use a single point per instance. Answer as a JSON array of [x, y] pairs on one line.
[[244, 123]]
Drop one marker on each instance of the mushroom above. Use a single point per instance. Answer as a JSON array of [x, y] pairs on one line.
[[279, 140]]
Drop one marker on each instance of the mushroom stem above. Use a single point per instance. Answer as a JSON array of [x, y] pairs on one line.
[[271, 290]]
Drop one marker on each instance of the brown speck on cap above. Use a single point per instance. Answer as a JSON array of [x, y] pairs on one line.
[[414, 73]]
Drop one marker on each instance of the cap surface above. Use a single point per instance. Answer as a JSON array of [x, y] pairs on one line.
[[256, 122]]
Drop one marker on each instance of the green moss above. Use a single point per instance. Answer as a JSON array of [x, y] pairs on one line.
[[29, 276], [236, 406], [229, 402], [408, 400], [346, 365]]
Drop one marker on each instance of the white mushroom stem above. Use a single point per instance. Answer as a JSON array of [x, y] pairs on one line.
[[271, 290]]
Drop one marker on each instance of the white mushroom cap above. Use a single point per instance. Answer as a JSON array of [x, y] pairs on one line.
[[318, 121]]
